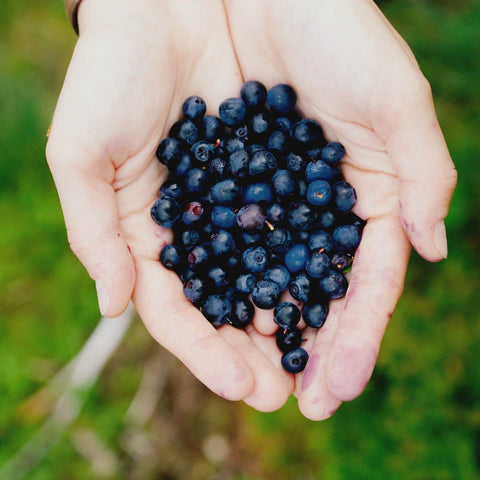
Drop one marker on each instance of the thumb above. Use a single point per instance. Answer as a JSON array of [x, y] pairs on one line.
[[84, 185], [426, 172]]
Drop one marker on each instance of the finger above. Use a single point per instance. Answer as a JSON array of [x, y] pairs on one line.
[[272, 384], [426, 171], [315, 400], [375, 286], [184, 331], [91, 217]]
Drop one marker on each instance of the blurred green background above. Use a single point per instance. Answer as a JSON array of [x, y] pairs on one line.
[[419, 417]]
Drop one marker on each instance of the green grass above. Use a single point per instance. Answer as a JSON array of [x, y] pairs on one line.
[[419, 418]]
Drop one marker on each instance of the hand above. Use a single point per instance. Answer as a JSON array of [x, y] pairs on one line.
[[358, 78], [132, 67]]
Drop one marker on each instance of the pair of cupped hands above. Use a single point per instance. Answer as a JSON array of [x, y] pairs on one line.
[[135, 63]]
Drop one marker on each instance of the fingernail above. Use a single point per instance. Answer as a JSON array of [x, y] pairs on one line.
[[102, 295], [440, 238]]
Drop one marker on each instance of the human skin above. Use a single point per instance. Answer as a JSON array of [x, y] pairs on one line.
[[135, 63]]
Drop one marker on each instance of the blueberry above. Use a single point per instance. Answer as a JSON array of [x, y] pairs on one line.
[[242, 312], [193, 212], [251, 217], [283, 183], [283, 124], [245, 282], [255, 259], [286, 315], [333, 152], [213, 128], [282, 98], [217, 309], [197, 181], [327, 220], [314, 314], [265, 294], [232, 144], [195, 289], [223, 217], [258, 192], [340, 261], [202, 151], [295, 163], [222, 243], [299, 287], [217, 278], [189, 238], [168, 151], [232, 111], [238, 163], [260, 124], [251, 237], [320, 241], [288, 340], [180, 167], [278, 274], [279, 240], [306, 133], [165, 211], [226, 192], [344, 196], [184, 130], [319, 193], [172, 257], [346, 238], [277, 141], [318, 170], [241, 133], [254, 94], [301, 216], [218, 168], [296, 258], [262, 162], [295, 361], [334, 285], [194, 108], [173, 189], [318, 265], [275, 213], [199, 257]]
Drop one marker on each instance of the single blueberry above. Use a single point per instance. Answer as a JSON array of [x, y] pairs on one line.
[[318, 265], [277, 141], [299, 287], [327, 220], [180, 167], [260, 124], [346, 238], [254, 94], [344, 196], [296, 258], [251, 237], [193, 212], [199, 257], [189, 238], [218, 168], [197, 181], [288, 340], [217, 309], [262, 162], [251, 217], [284, 124], [172, 257], [333, 152], [194, 108], [334, 285], [314, 314], [232, 111], [279, 240], [286, 315], [340, 261], [282, 98], [165, 211], [226, 192], [195, 289], [295, 361], [265, 294], [213, 128], [258, 192], [169, 150], [241, 133], [284, 184], [318, 170], [306, 133], [242, 312], [223, 217], [278, 274], [319, 193], [217, 278], [295, 163], [255, 259], [185, 130], [245, 282], [231, 144], [320, 241], [275, 213], [222, 243], [173, 189], [301, 216], [238, 163], [202, 151]]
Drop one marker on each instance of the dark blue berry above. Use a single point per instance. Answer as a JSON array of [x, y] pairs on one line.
[[279, 240], [288, 340], [333, 152], [265, 294], [172, 257], [277, 141], [340, 261], [217, 277], [284, 184], [222, 243], [314, 314], [202, 151], [223, 217], [197, 181], [318, 265], [306, 133], [262, 162], [286, 315], [194, 108], [199, 257], [296, 258], [232, 144], [245, 282], [238, 163], [275, 213], [226, 192], [301, 216], [184, 130], [190, 238], [346, 238], [254, 94], [319, 193], [217, 309], [344, 196], [232, 111], [241, 133], [165, 211], [195, 289], [299, 287], [213, 128], [282, 98], [242, 312], [218, 168], [168, 151], [327, 220], [255, 259], [295, 361], [295, 163], [193, 212], [173, 189], [278, 274], [320, 241], [318, 170], [260, 124], [258, 192], [284, 124], [334, 285], [251, 237]]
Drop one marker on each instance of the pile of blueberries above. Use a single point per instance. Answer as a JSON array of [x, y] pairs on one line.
[[258, 205]]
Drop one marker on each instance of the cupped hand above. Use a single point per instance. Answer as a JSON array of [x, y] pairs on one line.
[[134, 64]]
